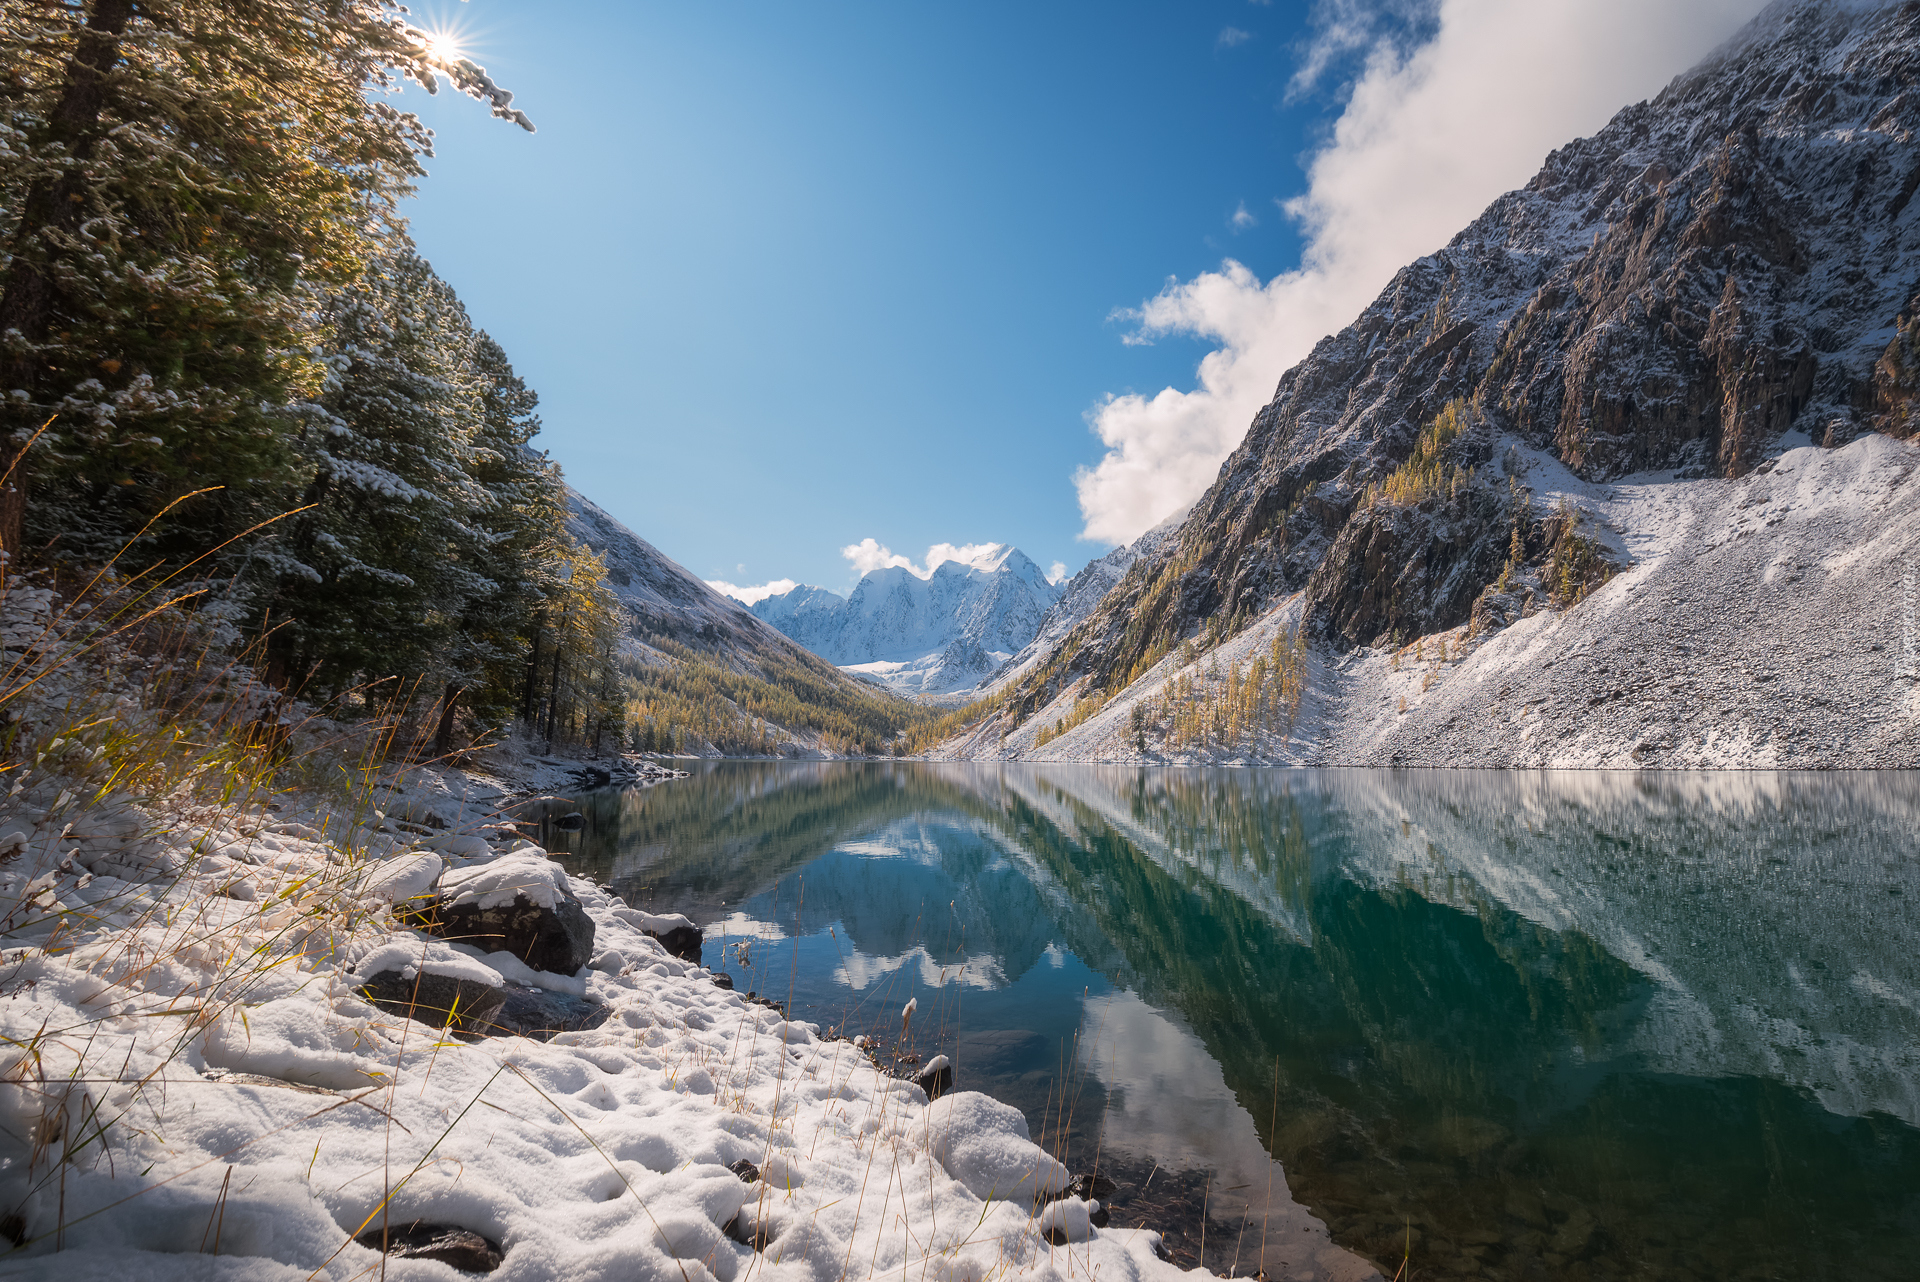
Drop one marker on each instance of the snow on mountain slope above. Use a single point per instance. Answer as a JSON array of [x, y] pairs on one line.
[[1079, 597], [665, 604], [930, 635], [1758, 623], [662, 598], [1724, 274]]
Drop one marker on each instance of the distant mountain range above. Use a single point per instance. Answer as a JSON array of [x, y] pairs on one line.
[[936, 635]]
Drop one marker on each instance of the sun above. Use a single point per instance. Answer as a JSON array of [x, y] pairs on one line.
[[444, 46]]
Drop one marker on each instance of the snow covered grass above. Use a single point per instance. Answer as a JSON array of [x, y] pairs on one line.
[[192, 1086]]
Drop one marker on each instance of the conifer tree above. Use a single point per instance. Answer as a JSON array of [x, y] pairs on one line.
[[375, 576], [179, 181]]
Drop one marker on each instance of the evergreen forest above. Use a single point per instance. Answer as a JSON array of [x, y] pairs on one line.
[[224, 367]]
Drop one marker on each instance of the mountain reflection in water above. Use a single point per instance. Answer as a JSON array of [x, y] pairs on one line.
[[1538, 1025]]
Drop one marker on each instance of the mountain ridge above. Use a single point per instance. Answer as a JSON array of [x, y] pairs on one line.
[[1721, 276], [921, 635], [711, 678]]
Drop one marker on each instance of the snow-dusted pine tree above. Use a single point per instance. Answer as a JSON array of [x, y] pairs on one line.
[[179, 183], [374, 577]]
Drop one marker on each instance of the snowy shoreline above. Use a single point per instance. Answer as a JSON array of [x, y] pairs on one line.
[[197, 1090]]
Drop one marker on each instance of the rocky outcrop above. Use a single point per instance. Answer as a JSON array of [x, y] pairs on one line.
[[1079, 597]]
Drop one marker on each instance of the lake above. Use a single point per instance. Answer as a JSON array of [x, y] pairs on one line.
[[1513, 1025]]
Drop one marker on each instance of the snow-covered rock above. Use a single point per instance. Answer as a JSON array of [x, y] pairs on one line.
[[984, 1144], [943, 632]]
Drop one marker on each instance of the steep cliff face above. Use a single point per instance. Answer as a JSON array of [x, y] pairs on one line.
[[1726, 264], [1079, 597]]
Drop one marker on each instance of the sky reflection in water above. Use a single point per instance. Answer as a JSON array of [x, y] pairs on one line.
[[1558, 1025]]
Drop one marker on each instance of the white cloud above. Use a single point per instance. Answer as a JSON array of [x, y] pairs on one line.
[[1342, 28], [1231, 36], [1057, 572], [1241, 219], [750, 595], [1428, 138], [869, 555]]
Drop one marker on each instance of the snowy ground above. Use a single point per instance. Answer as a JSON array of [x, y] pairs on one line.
[[192, 1087], [193, 1076], [1759, 623]]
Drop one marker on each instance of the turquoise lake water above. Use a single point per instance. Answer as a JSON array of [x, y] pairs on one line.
[[1507, 1025]]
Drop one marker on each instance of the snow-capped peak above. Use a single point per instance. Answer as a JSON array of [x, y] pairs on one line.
[[922, 630]]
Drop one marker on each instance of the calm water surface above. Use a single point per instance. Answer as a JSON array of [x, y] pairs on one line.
[[1526, 1026]]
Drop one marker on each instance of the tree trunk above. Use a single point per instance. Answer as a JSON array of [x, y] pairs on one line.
[[553, 694], [443, 736], [529, 703], [27, 305]]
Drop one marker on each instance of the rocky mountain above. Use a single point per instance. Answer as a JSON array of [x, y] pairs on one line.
[[661, 598], [676, 623], [1079, 597], [1537, 454], [922, 636]]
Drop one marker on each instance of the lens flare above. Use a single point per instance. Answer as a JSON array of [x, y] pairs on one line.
[[444, 46]]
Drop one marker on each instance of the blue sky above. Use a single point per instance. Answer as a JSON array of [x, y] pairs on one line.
[[790, 277]]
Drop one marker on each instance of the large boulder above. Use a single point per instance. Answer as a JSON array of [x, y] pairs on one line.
[[518, 904]]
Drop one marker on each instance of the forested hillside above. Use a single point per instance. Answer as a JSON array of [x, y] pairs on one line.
[[226, 367]]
